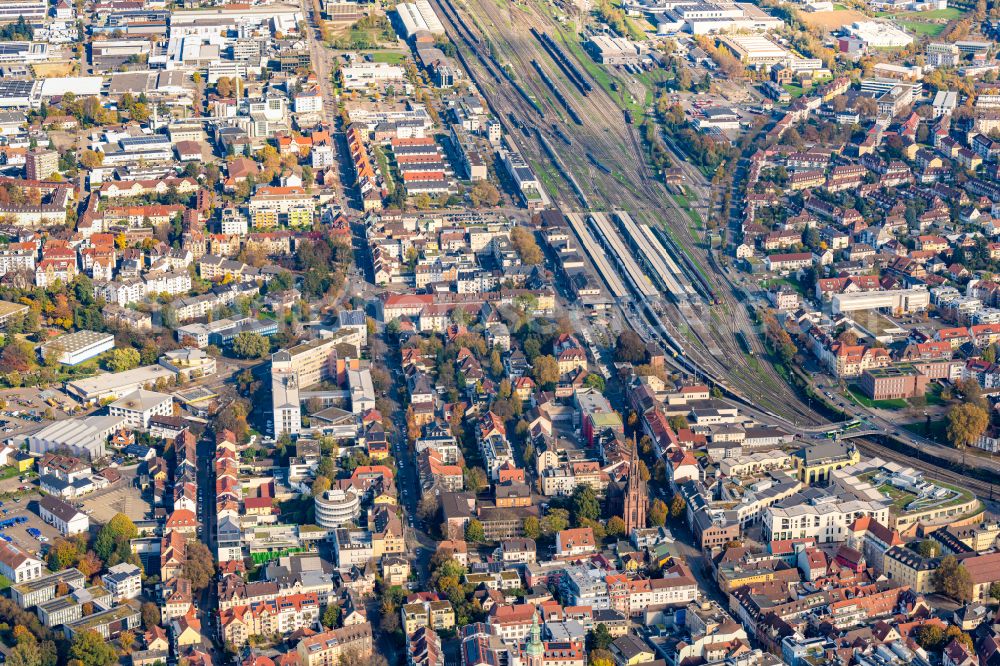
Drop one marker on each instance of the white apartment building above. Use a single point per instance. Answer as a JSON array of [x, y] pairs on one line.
[[310, 101], [33, 11], [123, 581], [313, 361], [17, 257], [942, 55], [286, 407], [823, 519], [353, 548], [140, 406]]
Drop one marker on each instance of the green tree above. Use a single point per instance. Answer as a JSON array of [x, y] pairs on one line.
[[615, 527], [150, 615], [122, 359], [224, 87], [62, 555], [990, 354], [331, 616], [658, 513], [475, 479], [532, 527], [966, 423], [556, 520], [429, 506], [113, 539], [585, 503], [199, 565], [601, 658], [92, 650], [484, 193], [995, 590], [233, 417], [474, 532], [524, 244], [91, 159], [630, 348], [956, 633], [929, 548], [126, 639], [600, 637], [951, 579], [677, 506], [594, 380], [930, 637], [250, 345], [971, 392], [545, 370], [320, 485], [27, 651]]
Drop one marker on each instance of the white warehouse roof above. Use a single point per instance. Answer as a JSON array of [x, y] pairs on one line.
[[417, 16], [81, 86]]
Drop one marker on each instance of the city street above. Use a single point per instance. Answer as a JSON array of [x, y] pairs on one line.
[[420, 545]]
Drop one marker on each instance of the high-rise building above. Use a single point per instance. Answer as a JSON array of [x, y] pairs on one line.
[[40, 164], [636, 497]]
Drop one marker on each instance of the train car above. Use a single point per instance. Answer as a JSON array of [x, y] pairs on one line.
[[562, 135], [744, 343], [597, 163], [628, 116]]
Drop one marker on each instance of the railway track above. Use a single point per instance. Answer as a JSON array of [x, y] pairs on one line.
[[602, 138]]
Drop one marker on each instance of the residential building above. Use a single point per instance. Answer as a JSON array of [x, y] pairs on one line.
[[138, 407], [63, 516], [17, 565]]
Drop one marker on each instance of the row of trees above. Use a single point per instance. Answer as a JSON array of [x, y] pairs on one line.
[[524, 243]]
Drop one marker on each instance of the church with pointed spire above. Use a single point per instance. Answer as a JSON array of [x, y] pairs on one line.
[[636, 497]]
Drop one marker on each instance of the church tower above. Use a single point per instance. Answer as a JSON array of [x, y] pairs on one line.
[[635, 495], [534, 650]]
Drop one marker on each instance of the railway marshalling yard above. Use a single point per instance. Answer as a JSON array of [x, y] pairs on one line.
[[598, 165]]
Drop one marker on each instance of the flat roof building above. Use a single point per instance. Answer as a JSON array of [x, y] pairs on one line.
[[755, 50], [893, 383], [115, 385], [10, 310], [879, 34], [33, 11], [75, 348], [610, 50]]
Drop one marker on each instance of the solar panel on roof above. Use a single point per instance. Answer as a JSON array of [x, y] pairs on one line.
[[143, 140], [15, 88]]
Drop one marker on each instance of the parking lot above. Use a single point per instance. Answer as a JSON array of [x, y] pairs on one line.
[[26, 410], [123, 497], [18, 534]]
